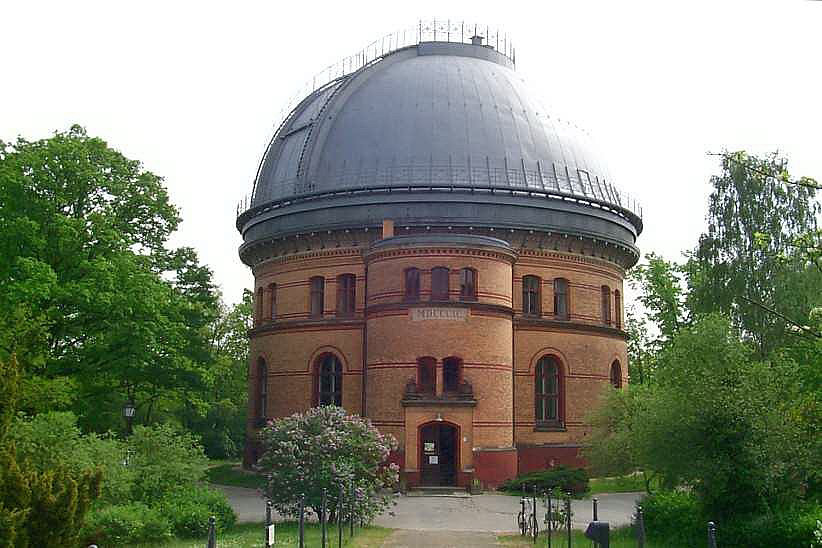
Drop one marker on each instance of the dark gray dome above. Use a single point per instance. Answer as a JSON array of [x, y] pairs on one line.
[[422, 120]]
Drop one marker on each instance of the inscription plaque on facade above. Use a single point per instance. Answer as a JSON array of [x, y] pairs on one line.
[[454, 314]]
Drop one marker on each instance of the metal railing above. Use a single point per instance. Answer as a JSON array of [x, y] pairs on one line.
[[552, 181]]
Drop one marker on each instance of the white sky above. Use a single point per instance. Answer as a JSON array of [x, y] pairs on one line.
[[193, 89]]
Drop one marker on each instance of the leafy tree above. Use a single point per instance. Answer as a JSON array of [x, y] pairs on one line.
[[661, 294], [90, 294], [746, 261], [37, 507], [324, 448]]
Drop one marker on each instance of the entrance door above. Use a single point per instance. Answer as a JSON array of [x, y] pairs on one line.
[[439, 454]]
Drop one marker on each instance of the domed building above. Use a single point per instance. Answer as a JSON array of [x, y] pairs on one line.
[[434, 251]]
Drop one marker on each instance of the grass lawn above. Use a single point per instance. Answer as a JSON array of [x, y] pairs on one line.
[[250, 535], [227, 473], [620, 538]]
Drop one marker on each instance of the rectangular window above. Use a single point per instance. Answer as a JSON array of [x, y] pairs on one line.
[[618, 309], [606, 305], [439, 284], [412, 284], [317, 296], [531, 296], [468, 284], [272, 312], [561, 299], [346, 292]]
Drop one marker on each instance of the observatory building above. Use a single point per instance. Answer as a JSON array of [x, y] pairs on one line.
[[434, 251]]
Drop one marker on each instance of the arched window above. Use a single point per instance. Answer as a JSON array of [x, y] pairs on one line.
[[262, 391], [412, 284], [439, 283], [427, 375], [317, 284], [618, 308], [451, 374], [272, 301], [616, 374], [561, 308], [606, 305], [548, 392], [258, 305], [531, 299], [346, 293], [329, 380], [468, 284]]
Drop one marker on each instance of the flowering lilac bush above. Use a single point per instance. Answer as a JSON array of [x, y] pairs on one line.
[[325, 448]]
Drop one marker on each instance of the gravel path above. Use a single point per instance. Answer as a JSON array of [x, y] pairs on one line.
[[479, 513]]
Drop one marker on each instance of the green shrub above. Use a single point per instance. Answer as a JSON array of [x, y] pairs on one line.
[[126, 524], [574, 480], [674, 517], [785, 527], [188, 510]]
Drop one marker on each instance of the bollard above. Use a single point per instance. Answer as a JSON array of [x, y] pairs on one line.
[[212, 532], [550, 518], [640, 528], [323, 519], [711, 534], [302, 521], [270, 533], [340, 517], [533, 517], [351, 512], [596, 517], [568, 517]]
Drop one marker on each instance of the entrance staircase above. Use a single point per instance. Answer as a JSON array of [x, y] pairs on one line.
[[438, 491]]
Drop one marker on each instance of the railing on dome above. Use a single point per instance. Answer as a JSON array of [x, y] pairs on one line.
[[434, 30], [552, 181]]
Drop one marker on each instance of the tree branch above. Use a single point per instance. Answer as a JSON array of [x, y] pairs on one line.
[[814, 185], [804, 328]]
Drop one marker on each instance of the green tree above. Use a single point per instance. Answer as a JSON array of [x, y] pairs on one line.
[[37, 507], [746, 261], [90, 294]]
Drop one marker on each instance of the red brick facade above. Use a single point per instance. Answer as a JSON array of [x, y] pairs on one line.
[[483, 350]]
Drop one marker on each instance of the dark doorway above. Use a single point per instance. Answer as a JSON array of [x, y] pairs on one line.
[[438, 451]]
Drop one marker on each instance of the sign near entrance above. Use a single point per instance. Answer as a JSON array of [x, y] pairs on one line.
[[430, 313], [429, 447], [433, 459]]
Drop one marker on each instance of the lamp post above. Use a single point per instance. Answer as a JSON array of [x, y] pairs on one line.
[[128, 414]]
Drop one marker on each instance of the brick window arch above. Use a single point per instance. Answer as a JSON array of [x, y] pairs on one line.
[[616, 374], [317, 296], [262, 392], [412, 284], [531, 298], [346, 294], [328, 374], [606, 305], [439, 283], [549, 397], [468, 284], [562, 309]]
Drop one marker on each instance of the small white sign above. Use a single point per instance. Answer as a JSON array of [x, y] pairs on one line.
[[451, 314], [429, 447], [433, 459]]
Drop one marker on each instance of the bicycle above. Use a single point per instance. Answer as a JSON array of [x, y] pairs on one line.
[[527, 521]]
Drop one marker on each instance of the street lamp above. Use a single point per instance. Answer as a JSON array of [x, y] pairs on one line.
[[128, 413]]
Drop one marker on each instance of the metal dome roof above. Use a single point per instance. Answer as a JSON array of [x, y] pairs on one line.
[[433, 115]]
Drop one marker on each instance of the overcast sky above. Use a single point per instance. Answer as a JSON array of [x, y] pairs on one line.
[[193, 89]]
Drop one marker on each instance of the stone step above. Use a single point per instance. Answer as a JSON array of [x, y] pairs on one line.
[[437, 491]]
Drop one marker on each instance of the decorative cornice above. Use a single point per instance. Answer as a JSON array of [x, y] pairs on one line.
[[559, 325], [480, 307], [288, 325]]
